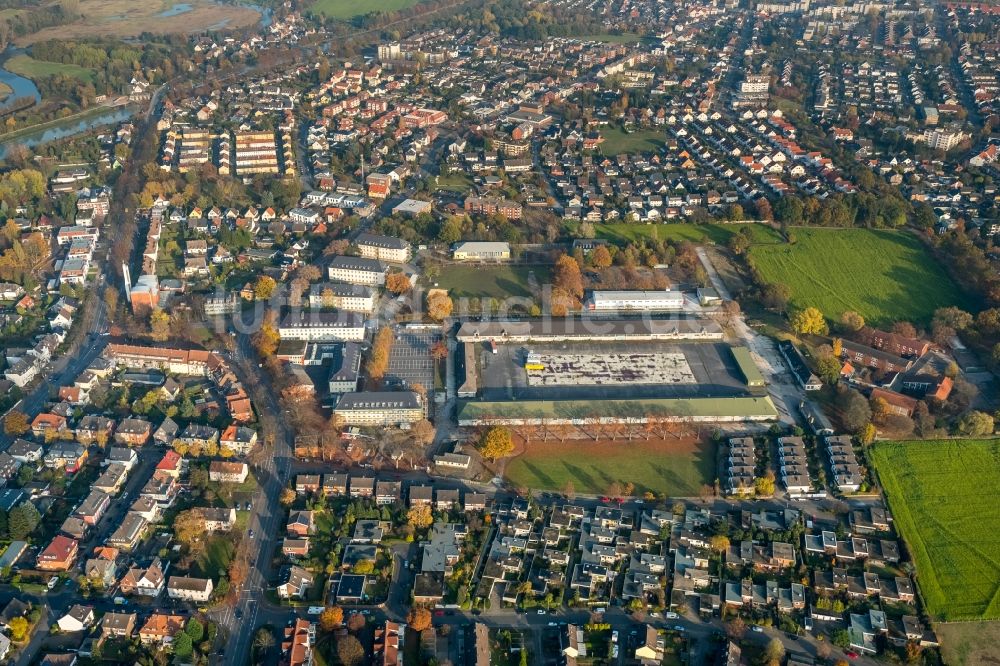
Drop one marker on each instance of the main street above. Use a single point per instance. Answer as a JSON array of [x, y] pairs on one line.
[[252, 608]]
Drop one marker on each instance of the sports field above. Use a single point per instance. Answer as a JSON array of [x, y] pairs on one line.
[[493, 281], [30, 68], [885, 276], [942, 495], [345, 9], [677, 468]]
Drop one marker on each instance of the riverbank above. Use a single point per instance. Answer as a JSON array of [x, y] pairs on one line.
[[62, 128]]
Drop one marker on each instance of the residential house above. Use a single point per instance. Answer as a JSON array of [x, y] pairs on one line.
[[189, 588], [225, 471], [59, 555]]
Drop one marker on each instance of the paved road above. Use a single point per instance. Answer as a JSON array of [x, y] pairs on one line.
[[784, 392], [251, 608]]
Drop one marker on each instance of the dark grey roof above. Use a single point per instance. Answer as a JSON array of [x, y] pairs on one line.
[[322, 320], [358, 264], [379, 400], [384, 242]]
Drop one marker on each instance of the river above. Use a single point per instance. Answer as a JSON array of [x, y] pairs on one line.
[[70, 128], [23, 87]]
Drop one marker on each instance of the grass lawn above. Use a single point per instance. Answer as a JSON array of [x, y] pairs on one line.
[[215, 560], [625, 232], [885, 276], [345, 9], [943, 497], [492, 281], [30, 68], [678, 468], [617, 141], [455, 181]]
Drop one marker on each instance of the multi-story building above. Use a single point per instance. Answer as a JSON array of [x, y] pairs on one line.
[[343, 296], [358, 270], [322, 326], [493, 206], [379, 408], [385, 248], [190, 589], [256, 152]]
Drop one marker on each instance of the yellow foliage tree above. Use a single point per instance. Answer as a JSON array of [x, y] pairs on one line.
[[439, 306], [496, 443], [809, 321], [420, 516], [264, 287]]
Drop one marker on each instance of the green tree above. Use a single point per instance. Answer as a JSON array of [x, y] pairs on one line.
[[183, 646], [22, 520], [195, 629]]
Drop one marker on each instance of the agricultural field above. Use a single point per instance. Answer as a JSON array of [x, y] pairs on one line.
[[617, 141], [969, 643], [942, 495], [33, 69], [127, 18], [493, 281], [345, 9], [885, 276], [674, 467]]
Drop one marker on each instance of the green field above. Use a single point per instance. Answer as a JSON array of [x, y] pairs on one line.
[[492, 281], [627, 232], [455, 181], [345, 9], [617, 141], [674, 468], [943, 498], [30, 68], [885, 276]]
